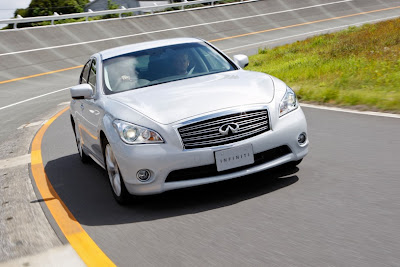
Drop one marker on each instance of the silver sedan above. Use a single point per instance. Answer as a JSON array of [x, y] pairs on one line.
[[176, 113]]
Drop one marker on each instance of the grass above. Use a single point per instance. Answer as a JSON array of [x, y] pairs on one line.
[[359, 67]]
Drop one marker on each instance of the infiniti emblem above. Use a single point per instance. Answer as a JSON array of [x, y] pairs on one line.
[[229, 128]]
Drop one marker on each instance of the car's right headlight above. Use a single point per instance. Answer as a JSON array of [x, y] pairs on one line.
[[288, 103], [135, 134]]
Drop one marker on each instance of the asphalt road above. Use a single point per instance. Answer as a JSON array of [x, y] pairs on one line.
[[340, 208]]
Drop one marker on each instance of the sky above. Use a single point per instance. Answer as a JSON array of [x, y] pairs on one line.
[[7, 7]]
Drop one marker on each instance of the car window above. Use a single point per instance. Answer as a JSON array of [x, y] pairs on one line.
[[84, 74], [92, 75], [214, 60], [161, 65]]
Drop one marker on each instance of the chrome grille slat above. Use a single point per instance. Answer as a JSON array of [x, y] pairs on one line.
[[201, 137], [222, 140], [252, 126], [254, 120], [214, 129], [185, 129], [217, 134], [206, 133]]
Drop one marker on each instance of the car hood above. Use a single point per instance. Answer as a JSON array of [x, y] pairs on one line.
[[174, 101]]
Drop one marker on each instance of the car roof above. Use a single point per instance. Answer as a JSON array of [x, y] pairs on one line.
[[113, 52]]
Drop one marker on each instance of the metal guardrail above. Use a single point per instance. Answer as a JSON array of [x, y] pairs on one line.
[[136, 10]]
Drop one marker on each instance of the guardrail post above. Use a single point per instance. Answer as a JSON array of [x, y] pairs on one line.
[[120, 14], [54, 14], [15, 24], [90, 11]]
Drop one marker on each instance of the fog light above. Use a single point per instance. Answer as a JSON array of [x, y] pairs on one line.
[[143, 175], [302, 138]]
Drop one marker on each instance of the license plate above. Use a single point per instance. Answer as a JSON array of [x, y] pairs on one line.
[[234, 157]]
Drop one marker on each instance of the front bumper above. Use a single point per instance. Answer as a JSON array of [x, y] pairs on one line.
[[162, 159]]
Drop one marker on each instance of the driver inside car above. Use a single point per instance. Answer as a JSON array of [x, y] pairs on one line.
[[181, 63]]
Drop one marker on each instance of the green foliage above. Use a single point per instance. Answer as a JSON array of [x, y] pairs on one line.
[[48, 7], [111, 5], [357, 67], [21, 11], [225, 2]]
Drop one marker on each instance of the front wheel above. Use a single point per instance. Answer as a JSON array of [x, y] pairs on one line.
[[117, 184]]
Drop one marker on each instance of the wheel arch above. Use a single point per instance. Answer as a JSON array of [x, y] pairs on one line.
[[72, 123], [103, 140]]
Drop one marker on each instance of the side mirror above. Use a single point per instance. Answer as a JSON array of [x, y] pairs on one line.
[[241, 60], [81, 91]]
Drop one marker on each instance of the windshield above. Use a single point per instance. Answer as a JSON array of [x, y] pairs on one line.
[[162, 64]]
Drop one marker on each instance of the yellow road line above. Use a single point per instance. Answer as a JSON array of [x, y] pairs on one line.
[[40, 74], [86, 248], [230, 37], [302, 24]]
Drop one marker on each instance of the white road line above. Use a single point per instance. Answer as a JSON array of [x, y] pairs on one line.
[[368, 113], [64, 103], [33, 98], [13, 162], [238, 48], [173, 29], [31, 124]]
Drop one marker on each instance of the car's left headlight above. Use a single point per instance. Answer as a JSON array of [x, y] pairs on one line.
[[288, 102], [135, 134]]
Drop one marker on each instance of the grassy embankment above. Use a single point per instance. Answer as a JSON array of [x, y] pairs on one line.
[[357, 67]]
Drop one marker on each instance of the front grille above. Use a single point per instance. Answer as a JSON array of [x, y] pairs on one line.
[[211, 170], [206, 133]]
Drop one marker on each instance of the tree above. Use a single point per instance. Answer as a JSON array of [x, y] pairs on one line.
[[48, 7], [111, 5]]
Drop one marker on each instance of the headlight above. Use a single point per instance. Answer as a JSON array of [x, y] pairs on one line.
[[288, 102], [134, 134]]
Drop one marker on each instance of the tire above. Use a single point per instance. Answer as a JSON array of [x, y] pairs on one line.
[[117, 184], [84, 157]]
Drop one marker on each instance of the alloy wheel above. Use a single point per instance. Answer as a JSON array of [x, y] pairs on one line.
[[113, 171]]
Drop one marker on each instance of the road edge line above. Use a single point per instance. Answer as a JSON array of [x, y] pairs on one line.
[[78, 238], [352, 111]]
